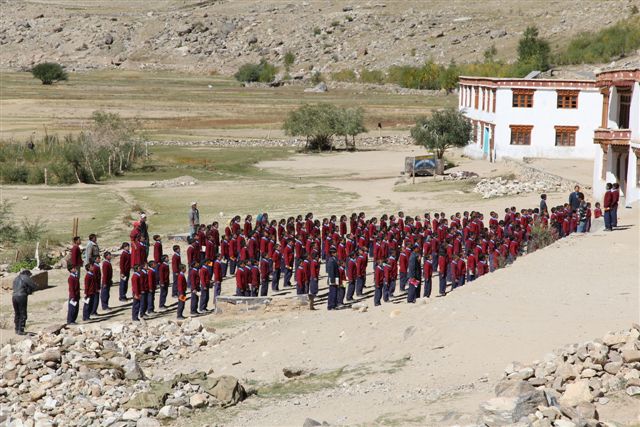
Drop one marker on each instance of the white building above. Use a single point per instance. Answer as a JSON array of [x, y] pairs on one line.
[[530, 117], [617, 138]]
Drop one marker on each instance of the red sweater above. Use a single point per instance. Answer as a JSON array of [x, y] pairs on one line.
[[74, 287]]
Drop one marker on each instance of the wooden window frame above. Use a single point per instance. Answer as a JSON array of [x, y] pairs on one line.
[[476, 91], [567, 99], [522, 134], [522, 98], [567, 136], [493, 93], [624, 93]]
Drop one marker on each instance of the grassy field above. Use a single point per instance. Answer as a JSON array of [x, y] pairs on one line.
[[183, 106]]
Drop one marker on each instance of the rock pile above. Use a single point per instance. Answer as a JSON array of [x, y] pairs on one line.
[[460, 175], [561, 389], [364, 141], [181, 181], [497, 187], [95, 375]]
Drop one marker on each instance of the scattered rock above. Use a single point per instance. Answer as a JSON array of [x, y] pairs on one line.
[[319, 88], [198, 400], [576, 393], [167, 413], [310, 422], [293, 371]]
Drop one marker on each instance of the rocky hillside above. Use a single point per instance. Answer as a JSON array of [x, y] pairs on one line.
[[220, 35]]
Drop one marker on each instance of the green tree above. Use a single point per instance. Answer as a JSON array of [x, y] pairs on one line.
[[448, 78], [350, 124], [490, 53], [49, 72], [533, 52], [318, 123], [262, 72], [444, 129]]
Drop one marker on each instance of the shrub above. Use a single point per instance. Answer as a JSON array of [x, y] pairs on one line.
[[36, 176], [49, 72], [344, 76], [316, 31], [541, 237], [8, 230], [262, 72], [26, 264], [335, 23], [317, 77], [289, 59], [605, 45], [14, 173], [372, 76], [32, 231]]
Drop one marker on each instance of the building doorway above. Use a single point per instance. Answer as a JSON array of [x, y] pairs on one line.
[[624, 108], [486, 141]]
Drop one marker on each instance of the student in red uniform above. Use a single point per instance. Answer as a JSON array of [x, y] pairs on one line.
[[176, 262], [97, 283], [276, 262], [351, 274], [144, 250], [136, 292], [89, 284], [194, 284], [393, 274], [152, 285], [378, 282], [125, 270], [361, 268], [76, 255], [163, 279], [73, 306], [608, 206], [427, 273], [217, 276], [181, 284], [107, 281], [157, 249], [240, 279], [255, 279], [314, 272], [301, 280], [442, 272], [205, 284], [264, 276]]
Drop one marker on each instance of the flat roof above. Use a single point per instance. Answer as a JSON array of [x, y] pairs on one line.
[[520, 82]]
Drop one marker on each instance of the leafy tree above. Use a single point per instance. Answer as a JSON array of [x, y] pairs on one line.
[[533, 52], [49, 72], [490, 53], [262, 72], [448, 79], [351, 123], [444, 129], [318, 123]]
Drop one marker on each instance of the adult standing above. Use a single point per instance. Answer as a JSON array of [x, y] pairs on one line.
[[23, 286], [607, 202], [414, 272], [194, 219], [92, 251], [574, 198], [615, 193], [582, 216], [543, 204], [143, 227]]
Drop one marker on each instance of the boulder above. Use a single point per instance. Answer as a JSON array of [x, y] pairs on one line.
[[228, 391], [576, 393], [630, 356], [319, 88], [167, 412], [147, 422], [293, 371], [198, 400], [515, 399], [310, 422], [133, 371]]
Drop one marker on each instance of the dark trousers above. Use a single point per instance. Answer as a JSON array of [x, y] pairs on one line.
[[332, 301], [443, 283], [20, 312], [264, 287], [194, 303], [287, 276], [164, 293], [313, 286], [123, 287], [607, 220], [253, 291], [204, 299], [614, 216], [217, 288], [341, 292], [239, 292], [225, 266], [359, 286], [301, 289], [351, 289], [427, 287], [143, 304], [232, 267], [385, 292], [95, 301], [411, 293], [72, 312], [180, 311], [87, 306], [174, 285], [403, 281], [151, 296], [472, 277], [105, 290], [377, 296], [275, 279], [135, 309], [392, 287]]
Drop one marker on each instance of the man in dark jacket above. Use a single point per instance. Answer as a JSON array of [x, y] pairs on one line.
[[574, 198], [414, 271], [23, 286], [333, 276]]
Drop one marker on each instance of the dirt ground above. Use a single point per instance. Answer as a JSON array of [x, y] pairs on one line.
[[430, 363]]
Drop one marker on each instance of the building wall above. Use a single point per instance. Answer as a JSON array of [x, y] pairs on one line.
[[544, 116]]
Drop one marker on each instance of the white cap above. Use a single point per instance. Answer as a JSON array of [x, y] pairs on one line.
[[194, 203], [143, 215]]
